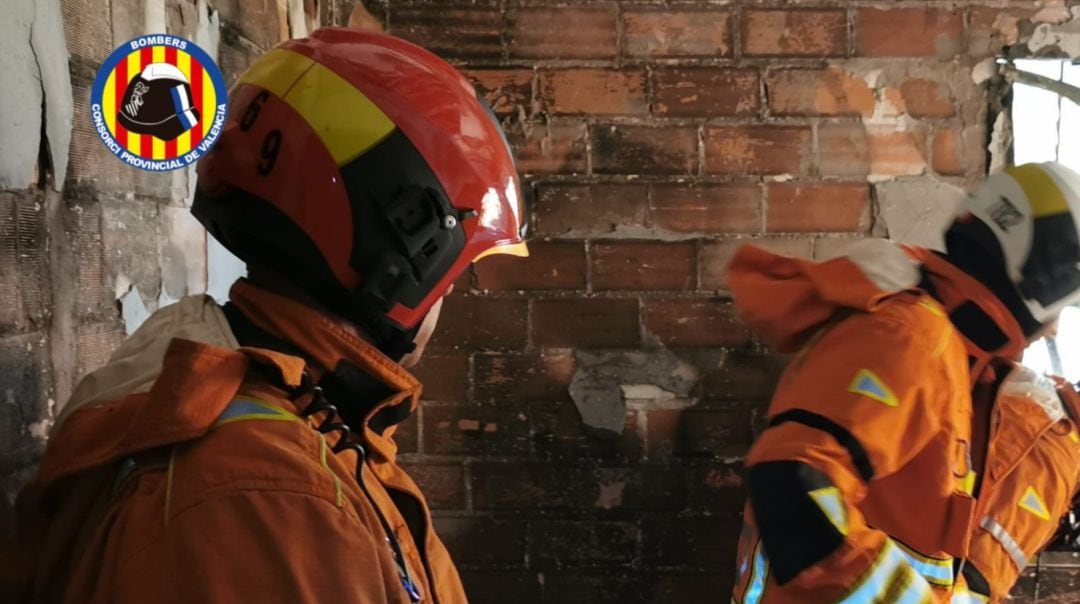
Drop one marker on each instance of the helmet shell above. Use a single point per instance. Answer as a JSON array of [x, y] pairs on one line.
[[1033, 211], [364, 168]]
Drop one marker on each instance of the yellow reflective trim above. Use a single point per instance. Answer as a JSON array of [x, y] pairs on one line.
[[868, 384], [831, 503], [1033, 502], [339, 495], [967, 483], [932, 306], [1074, 436], [1043, 193], [277, 71], [936, 571]]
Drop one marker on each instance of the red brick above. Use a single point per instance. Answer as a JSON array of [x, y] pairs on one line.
[[1058, 585], [483, 542], [565, 32], [830, 91], [644, 265], [559, 435], [694, 432], [451, 32], [492, 585], [744, 376], [586, 323], [550, 265], [644, 149], [443, 484], [597, 587], [909, 32], [717, 255], [719, 488], [445, 376], [593, 91], [927, 98], [946, 152], [813, 207], [707, 208], [674, 586], [475, 430], [757, 149], [669, 33], [795, 32], [537, 486], [475, 322], [552, 148], [897, 152], [563, 543], [523, 377], [695, 322], [504, 89], [590, 210], [691, 543], [705, 91], [659, 486], [843, 150]]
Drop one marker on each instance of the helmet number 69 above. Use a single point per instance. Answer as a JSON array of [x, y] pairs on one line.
[[268, 154]]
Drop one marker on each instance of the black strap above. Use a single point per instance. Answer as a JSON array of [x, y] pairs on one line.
[[858, 454], [975, 580]]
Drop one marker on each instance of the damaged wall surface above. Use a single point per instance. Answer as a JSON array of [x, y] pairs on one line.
[[587, 409], [88, 245]]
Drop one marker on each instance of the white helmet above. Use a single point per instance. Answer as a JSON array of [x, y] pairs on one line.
[[1034, 213]]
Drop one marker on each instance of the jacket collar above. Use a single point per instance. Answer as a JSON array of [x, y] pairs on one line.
[[328, 345], [990, 333]]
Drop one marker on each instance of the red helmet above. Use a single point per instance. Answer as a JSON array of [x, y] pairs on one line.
[[365, 169]]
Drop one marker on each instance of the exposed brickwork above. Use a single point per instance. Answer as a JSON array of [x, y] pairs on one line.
[[704, 91], [654, 139], [668, 33], [910, 32]]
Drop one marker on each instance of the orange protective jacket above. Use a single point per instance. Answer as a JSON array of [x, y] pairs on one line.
[[862, 488], [181, 472]]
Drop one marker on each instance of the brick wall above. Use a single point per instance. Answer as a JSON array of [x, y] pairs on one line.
[[74, 242], [655, 138]]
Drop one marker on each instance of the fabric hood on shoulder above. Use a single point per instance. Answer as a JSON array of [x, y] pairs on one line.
[[786, 300], [135, 366]]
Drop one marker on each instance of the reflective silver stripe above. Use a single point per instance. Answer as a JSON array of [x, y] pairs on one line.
[[883, 574], [1006, 540], [937, 572], [758, 576]]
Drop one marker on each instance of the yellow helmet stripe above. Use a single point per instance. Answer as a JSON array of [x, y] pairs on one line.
[[1042, 191], [347, 122]]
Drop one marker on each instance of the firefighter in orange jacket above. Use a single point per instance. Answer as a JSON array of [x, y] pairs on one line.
[[246, 453], [907, 458]]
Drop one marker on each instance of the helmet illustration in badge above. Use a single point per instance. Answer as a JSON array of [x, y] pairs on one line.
[[158, 102]]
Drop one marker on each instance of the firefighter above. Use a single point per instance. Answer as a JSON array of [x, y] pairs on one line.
[[246, 452], [907, 457]]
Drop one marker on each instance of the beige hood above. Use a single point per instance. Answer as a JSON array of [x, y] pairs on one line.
[[135, 366]]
